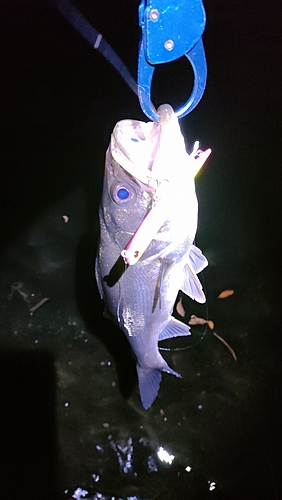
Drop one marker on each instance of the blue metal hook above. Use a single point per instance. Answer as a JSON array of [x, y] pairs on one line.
[[171, 29]]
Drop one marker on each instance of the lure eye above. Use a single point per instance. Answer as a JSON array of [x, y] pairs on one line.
[[123, 194]]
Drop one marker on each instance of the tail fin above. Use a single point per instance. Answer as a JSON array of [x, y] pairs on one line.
[[149, 380]]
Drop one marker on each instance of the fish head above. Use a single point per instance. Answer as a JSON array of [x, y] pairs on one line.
[[129, 188], [142, 160]]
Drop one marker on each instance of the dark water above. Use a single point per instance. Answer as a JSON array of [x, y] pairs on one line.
[[70, 411]]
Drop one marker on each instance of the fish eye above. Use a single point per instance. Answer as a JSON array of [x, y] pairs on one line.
[[122, 194]]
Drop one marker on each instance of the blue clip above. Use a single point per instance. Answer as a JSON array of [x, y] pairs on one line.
[[171, 29]]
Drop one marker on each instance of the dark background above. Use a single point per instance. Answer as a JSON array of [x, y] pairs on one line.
[[59, 101]]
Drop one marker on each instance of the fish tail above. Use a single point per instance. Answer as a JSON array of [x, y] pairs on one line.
[[149, 380]]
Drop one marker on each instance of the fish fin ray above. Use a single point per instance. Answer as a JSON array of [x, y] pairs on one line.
[[174, 328], [149, 381], [192, 286], [165, 266], [197, 260], [167, 369]]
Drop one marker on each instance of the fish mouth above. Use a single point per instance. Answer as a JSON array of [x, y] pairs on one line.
[[134, 145], [151, 151]]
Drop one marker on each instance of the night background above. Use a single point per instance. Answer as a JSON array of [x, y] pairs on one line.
[[70, 414]]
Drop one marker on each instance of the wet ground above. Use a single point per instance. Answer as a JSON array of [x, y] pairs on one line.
[[71, 418]]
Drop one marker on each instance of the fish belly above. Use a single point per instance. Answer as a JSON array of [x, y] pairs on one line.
[[140, 300]]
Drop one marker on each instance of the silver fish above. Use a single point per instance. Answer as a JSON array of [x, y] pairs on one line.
[[146, 252]]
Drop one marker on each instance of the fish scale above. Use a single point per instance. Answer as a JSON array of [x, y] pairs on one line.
[[140, 297]]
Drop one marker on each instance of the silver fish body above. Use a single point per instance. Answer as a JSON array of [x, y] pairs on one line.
[[147, 164]]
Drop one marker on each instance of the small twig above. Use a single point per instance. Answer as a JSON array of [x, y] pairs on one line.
[[39, 304], [17, 287], [226, 344]]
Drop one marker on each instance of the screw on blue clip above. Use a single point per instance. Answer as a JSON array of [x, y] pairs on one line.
[[171, 29]]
